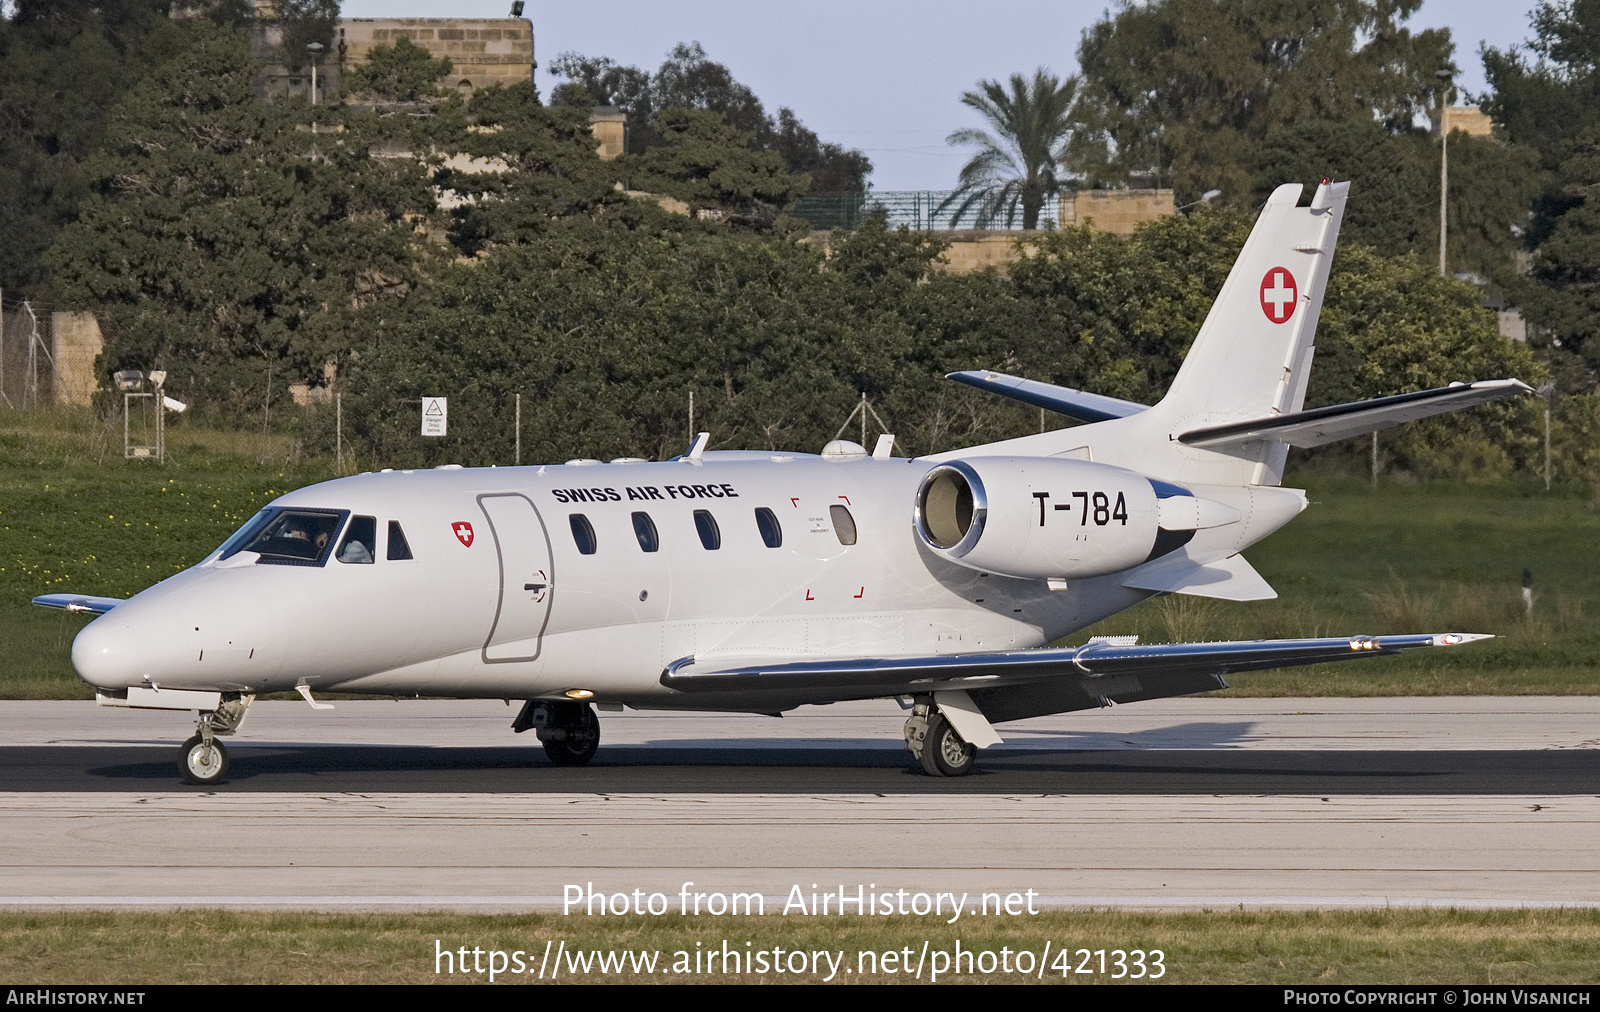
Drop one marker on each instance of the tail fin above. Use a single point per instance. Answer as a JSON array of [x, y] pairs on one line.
[[1252, 357]]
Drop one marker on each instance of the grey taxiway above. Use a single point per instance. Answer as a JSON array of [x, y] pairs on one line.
[[1449, 801]]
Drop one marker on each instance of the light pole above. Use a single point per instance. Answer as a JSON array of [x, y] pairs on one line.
[[1444, 74], [315, 49]]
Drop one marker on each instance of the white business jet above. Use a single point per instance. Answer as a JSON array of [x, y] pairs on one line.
[[758, 582]]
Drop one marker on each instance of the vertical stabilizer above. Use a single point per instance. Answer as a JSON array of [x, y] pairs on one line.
[[1252, 357]]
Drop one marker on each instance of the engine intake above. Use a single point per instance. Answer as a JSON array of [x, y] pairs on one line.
[[1037, 517]]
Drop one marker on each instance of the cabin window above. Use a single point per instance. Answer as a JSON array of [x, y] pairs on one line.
[[398, 548], [293, 537], [844, 525], [360, 543], [645, 530], [583, 534], [706, 525], [771, 532]]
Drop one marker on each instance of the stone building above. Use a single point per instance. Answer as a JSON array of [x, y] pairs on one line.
[[482, 51]]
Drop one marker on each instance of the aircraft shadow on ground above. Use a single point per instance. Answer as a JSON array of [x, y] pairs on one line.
[[768, 769]]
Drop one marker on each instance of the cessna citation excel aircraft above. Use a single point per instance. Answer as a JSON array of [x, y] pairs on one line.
[[758, 582]]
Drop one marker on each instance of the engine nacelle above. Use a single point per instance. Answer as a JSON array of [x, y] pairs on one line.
[[1038, 517]]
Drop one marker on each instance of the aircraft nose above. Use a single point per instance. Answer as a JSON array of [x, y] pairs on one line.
[[105, 654]]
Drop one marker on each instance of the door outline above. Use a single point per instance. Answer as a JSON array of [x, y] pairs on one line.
[[500, 559]]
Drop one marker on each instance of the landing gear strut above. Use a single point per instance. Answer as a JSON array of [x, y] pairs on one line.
[[569, 730], [203, 760], [929, 737]]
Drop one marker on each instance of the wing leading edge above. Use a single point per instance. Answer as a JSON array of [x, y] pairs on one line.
[[1009, 686], [78, 602]]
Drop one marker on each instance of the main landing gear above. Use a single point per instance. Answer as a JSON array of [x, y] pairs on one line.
[[569, 730], [936, 744], [202, 759]]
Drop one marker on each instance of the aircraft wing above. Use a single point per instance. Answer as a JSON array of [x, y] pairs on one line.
[[78, 602], [1101, 670], [1341, 421], [1062, 400]]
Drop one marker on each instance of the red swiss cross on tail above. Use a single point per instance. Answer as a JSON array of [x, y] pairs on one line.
[[1278, 295], [463, 532]]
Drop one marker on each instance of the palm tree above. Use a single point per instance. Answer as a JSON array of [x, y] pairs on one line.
[[1034, 123]]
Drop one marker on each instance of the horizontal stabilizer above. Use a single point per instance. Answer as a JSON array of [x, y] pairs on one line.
[[78, 602], [1231, 579], [1199, 665], [1061, 400], [1341, 421]]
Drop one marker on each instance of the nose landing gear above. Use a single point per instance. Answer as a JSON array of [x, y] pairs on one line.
[[202, 759], [569, 731]]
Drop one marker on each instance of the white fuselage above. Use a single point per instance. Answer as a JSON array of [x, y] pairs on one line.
[[515, 610]]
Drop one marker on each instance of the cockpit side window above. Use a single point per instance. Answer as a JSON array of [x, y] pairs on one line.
[[295, 537], [249, 530], [360, 543], [398, 548]]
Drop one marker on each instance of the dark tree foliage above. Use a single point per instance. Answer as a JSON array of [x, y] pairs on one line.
[[63, 65], [303, 22], [225, 241], [1394, 177], [1184, 91], [707, 161], [687, 79], [403, 72], [1553, 106]]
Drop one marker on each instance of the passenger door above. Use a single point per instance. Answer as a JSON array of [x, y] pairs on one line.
[[527, 578]]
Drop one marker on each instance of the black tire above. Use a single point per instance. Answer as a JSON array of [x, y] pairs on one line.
[[944, 753], [200, 764], [581, 739]]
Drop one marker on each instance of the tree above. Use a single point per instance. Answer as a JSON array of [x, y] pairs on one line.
[[1023, 165], [224, 242], [63, 65], [1183, 92], [707, 161], [688, 80], [403, 72], [1549, 102]]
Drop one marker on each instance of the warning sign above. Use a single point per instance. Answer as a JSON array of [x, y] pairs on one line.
[[434, 412]]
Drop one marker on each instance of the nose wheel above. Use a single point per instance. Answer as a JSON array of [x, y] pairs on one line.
[[203, 760], [569, 731]]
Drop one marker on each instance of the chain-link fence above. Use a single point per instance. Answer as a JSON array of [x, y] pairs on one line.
[[918, 210], [47, 358]]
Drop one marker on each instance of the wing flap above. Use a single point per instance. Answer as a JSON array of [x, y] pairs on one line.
[[1085, 407], [1341, 421], [1118, 672]]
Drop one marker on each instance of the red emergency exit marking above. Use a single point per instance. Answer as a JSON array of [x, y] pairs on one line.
[[808, 595], [846, 499], [861, 593]]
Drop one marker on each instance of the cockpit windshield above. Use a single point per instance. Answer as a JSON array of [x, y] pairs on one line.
[[288, 537]]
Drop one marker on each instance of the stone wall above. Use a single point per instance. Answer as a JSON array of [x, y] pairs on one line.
[[1115, 211], [77, 345], [483, 51]]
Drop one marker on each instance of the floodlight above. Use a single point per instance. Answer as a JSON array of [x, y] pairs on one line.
[[129, 380]]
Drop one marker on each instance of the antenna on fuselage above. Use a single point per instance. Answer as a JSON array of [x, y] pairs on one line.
[[699, 446]]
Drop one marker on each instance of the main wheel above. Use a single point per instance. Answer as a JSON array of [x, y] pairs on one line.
[[200, 763], [580, 739], [944, 753]]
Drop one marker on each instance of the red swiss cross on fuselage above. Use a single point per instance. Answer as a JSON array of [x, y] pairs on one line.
[[1278, 295], [463, 532]]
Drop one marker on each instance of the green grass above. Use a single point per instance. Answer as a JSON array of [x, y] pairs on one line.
[[1381, 946], [1416, 557], [1409, 557]]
